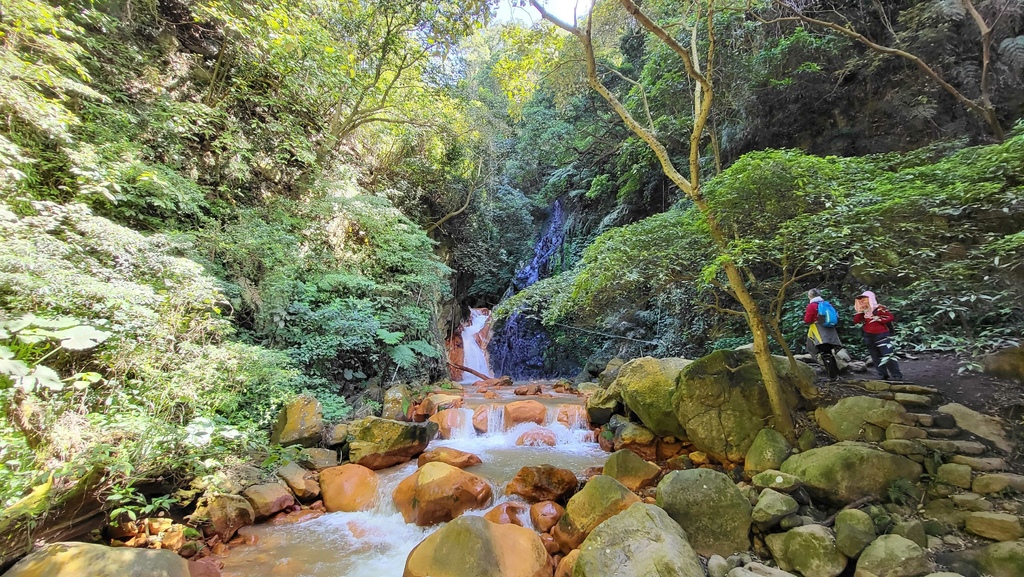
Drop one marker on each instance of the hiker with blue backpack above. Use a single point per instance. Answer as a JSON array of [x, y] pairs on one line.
[[822, 339], [877, 329]]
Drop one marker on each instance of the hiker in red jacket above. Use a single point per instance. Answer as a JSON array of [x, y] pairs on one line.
[[877, 334], [822, 339]]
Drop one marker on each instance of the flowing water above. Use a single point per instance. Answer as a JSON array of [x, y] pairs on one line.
[[475, 358], [376, 543]]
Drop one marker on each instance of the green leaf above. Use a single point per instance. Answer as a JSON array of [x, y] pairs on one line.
[[389, 337], [42, 376], [424, 348], [403, 356], [56, 323], [81, 338]]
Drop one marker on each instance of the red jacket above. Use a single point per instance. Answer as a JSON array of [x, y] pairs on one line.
[[811, 313], [877, 324]]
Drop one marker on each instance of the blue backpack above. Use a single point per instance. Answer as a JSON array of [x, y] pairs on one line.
[[827, 314]]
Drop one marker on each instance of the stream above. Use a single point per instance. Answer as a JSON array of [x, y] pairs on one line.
[[376, 543]]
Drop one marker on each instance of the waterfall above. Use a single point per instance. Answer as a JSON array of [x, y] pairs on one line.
[[474, 356]]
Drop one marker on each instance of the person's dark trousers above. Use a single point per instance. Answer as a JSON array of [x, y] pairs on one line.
[[881, 349], [828, 357]]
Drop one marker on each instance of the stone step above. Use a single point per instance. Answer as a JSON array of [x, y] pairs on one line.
[[980, 464], [996, 482], [918, 389], [912, 400], [943, 433], [955, 447]]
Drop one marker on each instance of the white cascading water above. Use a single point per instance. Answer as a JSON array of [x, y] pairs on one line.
[[474, 356]]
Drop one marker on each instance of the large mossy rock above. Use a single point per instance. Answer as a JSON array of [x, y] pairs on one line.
[[1007, 363], [472, 545], [860, 418], [847, 471], [809, 550], [710, 508], [1003, 559], [892, 556], [378, 443], [86, 559], [628, 468], [599, 499], [398, 403], [602, 404], [722, 403], [854, 531], [647, 386], [610, 372], [769, 450], [229, 513], [642, 540], [300, 422]]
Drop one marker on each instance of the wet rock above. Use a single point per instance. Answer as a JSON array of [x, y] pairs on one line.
[[629, 469], [527, 390], [449, 456], [437, 492], [954, 474], [537, 437], [1003, 559], [472, 545], [519, 412], [448, 422], [647, 386], [656, 545], [567, 564], [398, 403], [599, 499], [268, 498], [502, 381], [349, 487], [852, 417], [545, 515], [300, 422], [638, 439], [81, 559], [722, 404], [379, 443], [602, 404], [771, 507], [768, 451], [508, 512], [481, 418], [1007, 363], [809, 550], [723, 524], [228, 513], [436, 402], [542, 483], [892, 556], [848, 471], [318, 459], [572, 416], [995, 526], [984, 426], [854, 531], [302, 482]]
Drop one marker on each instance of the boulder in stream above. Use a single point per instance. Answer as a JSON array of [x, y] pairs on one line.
[[602, 404], [80, 559], [449, 456], [537, 437], [379, 443], [545, 515], [349, 488], [647, 386], [642, 540], [438, 492], [472, 545], [300, 422], [628, 468], [518, 412], [448, 422], [398, 403], [228, 513], [269, 498], [542, 483], [599, 499]]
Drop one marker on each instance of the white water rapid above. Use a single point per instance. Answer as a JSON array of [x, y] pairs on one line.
[[475, 358], [376, 543]]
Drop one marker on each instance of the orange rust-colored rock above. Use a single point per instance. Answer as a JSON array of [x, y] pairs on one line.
[[480, 418], [349, 488], [472, 545], [294, 517], [268, 498], [438, 492], [439, 402], [527, 390], [566, 565], [545, 515], [491, 395], [601, 498], [537, 437], [549, 544], [542, 483], [449, 456], [448, 421], [503, 381], [519, 412], [573, 416], [668, 449], [508, 512]]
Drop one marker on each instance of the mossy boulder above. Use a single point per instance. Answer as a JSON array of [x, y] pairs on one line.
[[610, 372], [602, 404], [378, 443], [860, 418], [809, 550], [892, 556], [300, 422], [768, 451], [710, 508], [472, 545], [398, 403], [1003, 559], [73, 559], [599, 499], [656, 545], [772, 506], [722, 403], [854, 531], [628, 468], [1006, 363], [848, 471], [647, 386]]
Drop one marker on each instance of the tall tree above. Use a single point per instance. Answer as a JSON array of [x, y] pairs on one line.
[[699, 64]]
